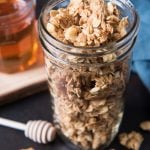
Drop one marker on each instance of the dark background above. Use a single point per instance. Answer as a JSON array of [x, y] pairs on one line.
[[38, 107]]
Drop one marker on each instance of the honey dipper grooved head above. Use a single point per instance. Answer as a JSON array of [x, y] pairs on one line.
[[40, 131]]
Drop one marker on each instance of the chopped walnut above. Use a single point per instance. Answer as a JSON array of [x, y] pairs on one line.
[[145, 125], [131, 140], [71, 33]]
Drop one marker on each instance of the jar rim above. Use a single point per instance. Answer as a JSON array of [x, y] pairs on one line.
[[23, 11], [117, 44]]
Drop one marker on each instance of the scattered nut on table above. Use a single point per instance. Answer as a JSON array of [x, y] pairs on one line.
[[30, 148], [145, 125], [132, 140]]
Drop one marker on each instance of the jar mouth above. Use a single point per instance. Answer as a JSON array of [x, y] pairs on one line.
[[23, 10], [110, 47]]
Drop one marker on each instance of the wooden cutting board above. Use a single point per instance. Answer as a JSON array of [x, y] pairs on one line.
[[18, 85]]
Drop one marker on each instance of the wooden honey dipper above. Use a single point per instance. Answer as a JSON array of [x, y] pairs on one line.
[[39, 131]]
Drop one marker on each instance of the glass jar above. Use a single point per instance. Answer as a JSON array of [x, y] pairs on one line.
[[18, 41], [88, 84]]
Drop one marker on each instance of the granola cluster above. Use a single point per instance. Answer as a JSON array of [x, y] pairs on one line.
[[132, 140], [145, 125], [87, 23], [27, 148], [88, 98]]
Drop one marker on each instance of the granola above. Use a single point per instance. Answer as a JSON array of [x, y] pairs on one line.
[[27, 148], [131, 140], [145, 125], [88, 99], [87, 23]]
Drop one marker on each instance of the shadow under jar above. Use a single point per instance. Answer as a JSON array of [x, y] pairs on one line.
[[88, 84]]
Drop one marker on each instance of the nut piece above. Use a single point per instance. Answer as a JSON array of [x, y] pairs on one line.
[[109, 57], [51, 28], [71, 33], [27, 148], [110, 8], [145, 125], [99, 139], [131, 140]]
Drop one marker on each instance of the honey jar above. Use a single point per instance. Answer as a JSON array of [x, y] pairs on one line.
[[18, 42]]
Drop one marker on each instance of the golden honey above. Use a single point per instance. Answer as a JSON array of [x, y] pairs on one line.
[[18, 42]]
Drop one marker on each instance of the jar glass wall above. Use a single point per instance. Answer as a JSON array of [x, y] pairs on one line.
[[88, 84]]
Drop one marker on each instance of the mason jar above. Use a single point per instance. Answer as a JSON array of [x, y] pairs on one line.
[[87, 84]]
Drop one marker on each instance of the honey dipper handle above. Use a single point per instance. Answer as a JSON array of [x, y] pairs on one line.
[[12, 124]]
